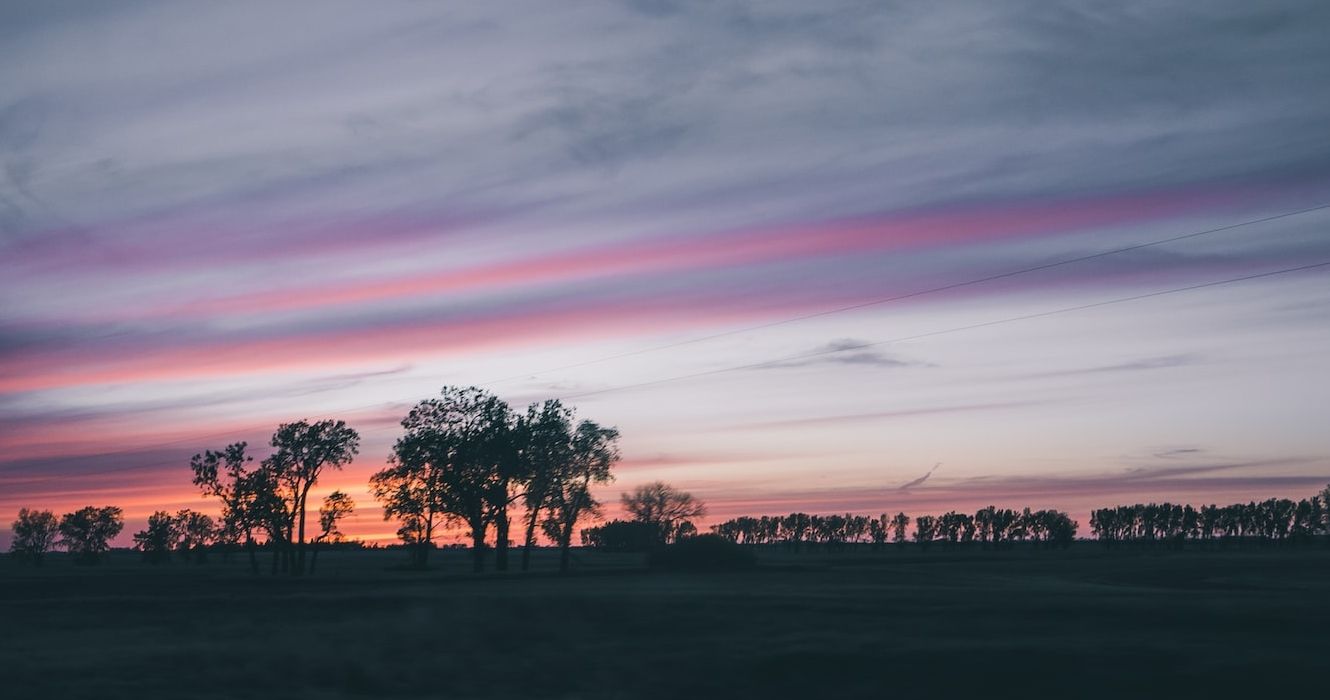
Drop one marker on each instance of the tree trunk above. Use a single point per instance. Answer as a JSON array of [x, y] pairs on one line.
[[501, 525], [253, 558], [299, 567], [530, 540], [478, 546]]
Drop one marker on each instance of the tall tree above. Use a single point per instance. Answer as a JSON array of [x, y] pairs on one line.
[[594, 452], [449, 456], [224, 475], [35, 533], [87, 532], [544, 440], [302, 450], [409, 490], [662, 505]]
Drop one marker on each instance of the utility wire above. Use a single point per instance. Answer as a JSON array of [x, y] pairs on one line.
[[818, 314], [930, 334], [918, 293]]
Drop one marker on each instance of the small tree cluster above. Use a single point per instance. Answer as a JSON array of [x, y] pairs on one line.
[[270, 501], [187, 533], [467, 457]]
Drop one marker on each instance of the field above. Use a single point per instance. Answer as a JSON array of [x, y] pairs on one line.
[[1080, 623]]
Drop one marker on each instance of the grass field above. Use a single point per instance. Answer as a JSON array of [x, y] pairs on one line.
[[1080, 623]]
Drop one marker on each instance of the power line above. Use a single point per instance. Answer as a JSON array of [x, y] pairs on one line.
[[918, 293], [984, 324]]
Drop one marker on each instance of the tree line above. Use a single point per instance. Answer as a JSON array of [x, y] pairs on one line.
[[989, 527], [1172, 525], [464, 458], [467, 458]]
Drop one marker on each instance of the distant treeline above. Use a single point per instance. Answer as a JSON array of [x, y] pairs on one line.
[[468, 459], [989, 527], [1170, 524]]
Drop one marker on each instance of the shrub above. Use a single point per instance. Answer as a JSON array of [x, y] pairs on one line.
[[702, 553]]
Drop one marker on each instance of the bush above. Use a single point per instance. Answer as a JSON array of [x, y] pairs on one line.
[[702, 553], [621, 536]]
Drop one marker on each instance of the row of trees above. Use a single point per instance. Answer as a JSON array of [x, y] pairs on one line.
[[1170, 524], [86, 533], [990, 527], [268, 501], [467, 457]]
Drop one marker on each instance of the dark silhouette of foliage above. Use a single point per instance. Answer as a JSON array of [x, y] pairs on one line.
[[447, 464], [593, 452], [249, 500], [621, 536], [302, 450], [87, 533], [664, 506], [990, 526], [701, 553], [35, 533], [545, 448], [336, 506], [1275, 520], [159, 539]]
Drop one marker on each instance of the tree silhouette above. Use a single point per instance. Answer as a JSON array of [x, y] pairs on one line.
[[899, 523], [87, 532], [245, 495], [621, 536], [302, 451], [662, 505], [594, 451], [448, 461], [545, 447], [35, 533], [336, 505], [197, 533], [159, 539]]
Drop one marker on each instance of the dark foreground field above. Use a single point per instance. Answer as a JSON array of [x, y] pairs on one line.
[[1082, 623]]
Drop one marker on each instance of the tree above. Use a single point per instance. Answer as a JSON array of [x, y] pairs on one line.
[[35, 534], [336, 505], [410, 491], [245, 495], [302, 451], [899, 523], [87, 532], [925, 528], [621, 536], [159, 539], [544, 446], [447, 464], [594, 452], [197, 533], [663, 506]]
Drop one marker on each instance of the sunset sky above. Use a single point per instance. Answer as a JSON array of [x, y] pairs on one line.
[[211, 223]]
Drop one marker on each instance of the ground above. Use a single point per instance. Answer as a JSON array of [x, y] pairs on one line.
[[1080, 623]]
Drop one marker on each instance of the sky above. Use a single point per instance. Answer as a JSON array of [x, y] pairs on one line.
[[755, 237]]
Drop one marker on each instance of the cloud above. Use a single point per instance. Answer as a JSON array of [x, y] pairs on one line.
[[1144, 364], [875, 416], [905, 487], [847, 351]]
